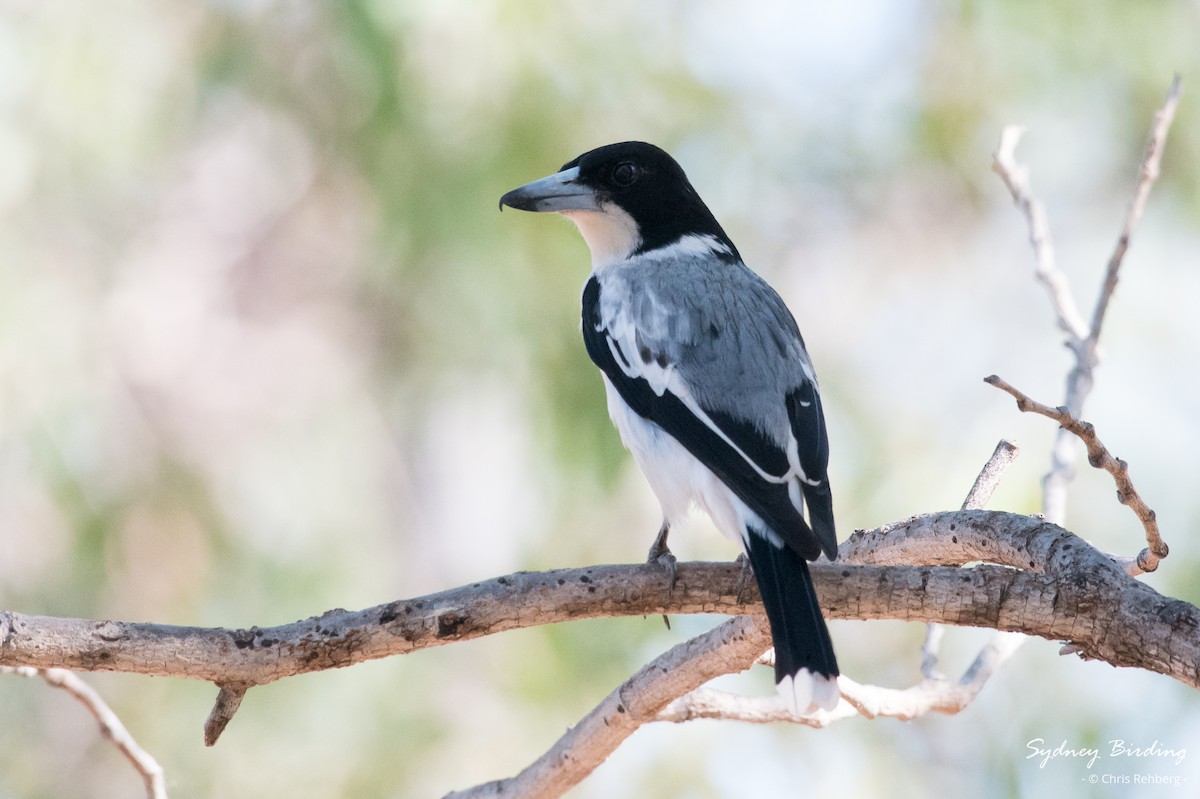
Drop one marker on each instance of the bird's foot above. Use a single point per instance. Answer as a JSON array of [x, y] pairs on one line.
[[746, 571], [659, 547], [660, 554]]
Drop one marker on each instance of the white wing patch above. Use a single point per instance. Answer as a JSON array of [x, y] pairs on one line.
[[622, 336]]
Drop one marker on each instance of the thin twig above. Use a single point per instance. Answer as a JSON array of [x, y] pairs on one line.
[[1016, 177], [1147, 175], [1100, 458], [1087, 352], [930, 649], [931, 695], [110, 725], [713, 703]]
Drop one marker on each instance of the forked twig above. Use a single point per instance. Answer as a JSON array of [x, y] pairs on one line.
[[1082, 338]]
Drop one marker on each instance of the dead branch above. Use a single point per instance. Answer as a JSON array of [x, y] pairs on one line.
[[1082, 339], [229, 699], [1100, 458], [1016, 178], [730, 647], [1039, 580], [931, 695], [1155, 144], [1061, 589], [990, 475], [110, 724]]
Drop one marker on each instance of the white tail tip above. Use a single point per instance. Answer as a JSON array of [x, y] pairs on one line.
[[807, 692]]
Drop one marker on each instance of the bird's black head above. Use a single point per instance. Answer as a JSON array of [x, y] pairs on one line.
[[627, 198]]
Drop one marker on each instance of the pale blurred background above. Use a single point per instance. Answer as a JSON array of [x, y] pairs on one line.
[[267, 348]]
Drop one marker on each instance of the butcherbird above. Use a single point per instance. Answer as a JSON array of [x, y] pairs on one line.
[[708, 383]]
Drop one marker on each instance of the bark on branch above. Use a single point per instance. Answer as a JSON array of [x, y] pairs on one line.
[[1040, 580]]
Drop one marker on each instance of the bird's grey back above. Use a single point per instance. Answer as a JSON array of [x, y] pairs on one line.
[[731, 338]]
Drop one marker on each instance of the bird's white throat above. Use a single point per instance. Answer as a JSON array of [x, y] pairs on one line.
[[611, 234]]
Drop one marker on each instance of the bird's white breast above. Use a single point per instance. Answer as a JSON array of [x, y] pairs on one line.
[[676, 476]]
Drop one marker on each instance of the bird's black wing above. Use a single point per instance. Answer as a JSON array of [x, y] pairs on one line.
[[812, 445], [750, 463]]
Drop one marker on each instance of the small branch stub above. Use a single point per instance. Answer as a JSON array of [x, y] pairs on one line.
[[229, 699]]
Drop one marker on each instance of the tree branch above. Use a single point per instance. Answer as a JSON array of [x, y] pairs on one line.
[[931, 695], [1049, 583], [981, 491], [229, 699], [730, 647], [1016, 178], [590, 745], [1100, 458], [990, 475], [1040, 580], [1082, 339]]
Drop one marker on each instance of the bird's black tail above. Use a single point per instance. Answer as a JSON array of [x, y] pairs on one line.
[[797, 627]]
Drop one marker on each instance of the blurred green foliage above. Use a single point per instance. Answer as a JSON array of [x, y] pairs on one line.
[[266, 348]]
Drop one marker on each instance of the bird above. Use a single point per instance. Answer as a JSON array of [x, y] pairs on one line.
[[709, 384]]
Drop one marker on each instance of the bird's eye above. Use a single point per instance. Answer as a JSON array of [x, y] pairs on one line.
[[626, 173]]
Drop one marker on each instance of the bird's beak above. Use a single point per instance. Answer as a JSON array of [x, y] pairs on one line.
[[561, 191]]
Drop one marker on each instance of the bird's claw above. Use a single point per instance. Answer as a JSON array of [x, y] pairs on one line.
[[660, 554], [668, 561], [659, 547], [746, 570]]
